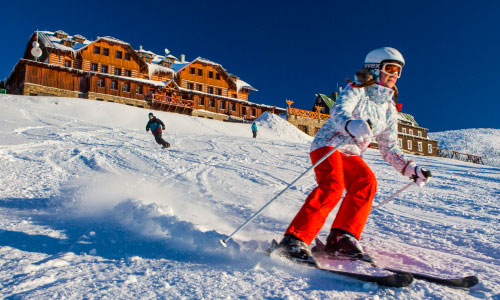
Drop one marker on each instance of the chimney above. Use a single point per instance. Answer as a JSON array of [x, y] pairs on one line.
[[183, 58], [140, 47]]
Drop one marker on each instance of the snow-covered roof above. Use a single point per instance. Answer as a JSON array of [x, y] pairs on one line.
[[113, 40], [49, 40], [61, 32], [179, 66], [155, 68], [79, 36], [240, 84]]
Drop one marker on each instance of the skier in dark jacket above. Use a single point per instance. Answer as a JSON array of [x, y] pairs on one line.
[[156, 126]]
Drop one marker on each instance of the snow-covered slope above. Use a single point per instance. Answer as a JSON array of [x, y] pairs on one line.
[[484, 142], [91, 208]]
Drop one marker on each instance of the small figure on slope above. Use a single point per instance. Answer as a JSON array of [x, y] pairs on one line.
[[254, 129], [365, 109], [156, 126]]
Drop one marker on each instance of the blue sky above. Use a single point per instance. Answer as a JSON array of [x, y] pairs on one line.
[[294, 49]]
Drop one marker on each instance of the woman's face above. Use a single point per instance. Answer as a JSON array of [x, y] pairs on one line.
[[388, 81]]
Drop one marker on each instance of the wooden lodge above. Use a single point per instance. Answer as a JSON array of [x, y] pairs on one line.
[[411, 137], [109, 69]]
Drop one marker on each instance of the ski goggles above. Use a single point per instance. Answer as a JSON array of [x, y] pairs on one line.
[[391, 69]]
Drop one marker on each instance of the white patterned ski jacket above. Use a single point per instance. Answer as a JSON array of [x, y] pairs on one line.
[[373, 103]]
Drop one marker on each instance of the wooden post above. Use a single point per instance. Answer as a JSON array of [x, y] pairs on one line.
[[318, 108]]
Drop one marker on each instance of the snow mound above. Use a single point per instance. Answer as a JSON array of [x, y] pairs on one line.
[[281, 127], [484, 142]]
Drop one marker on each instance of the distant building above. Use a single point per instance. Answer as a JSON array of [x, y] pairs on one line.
[[411, 137], [109, 69]]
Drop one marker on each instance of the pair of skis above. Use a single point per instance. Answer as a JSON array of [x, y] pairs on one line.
[[397, 278]]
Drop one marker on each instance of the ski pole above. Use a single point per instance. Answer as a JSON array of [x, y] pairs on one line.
[[223, 242], [393, 195]]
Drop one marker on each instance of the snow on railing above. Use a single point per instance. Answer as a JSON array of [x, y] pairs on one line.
[[460, 156]]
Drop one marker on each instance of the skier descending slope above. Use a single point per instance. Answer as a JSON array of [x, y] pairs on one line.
[[156, 125], [365, 110]]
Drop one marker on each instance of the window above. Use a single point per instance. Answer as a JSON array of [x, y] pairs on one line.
[[97, 50], [94, 67], [67, 63], [200, 72], [119, 54], [233, 106], [114, 85], [222, 105], [410, 132], [210, 74], [429, 148], [138, 90], [104, 69], [118, 71], [127, 56], [105, 51], [400, 143], [199, 87], [126, 87], [192, 71], [408, 145], [420, 147], [100, 82], [201, 101], [254, 112], [219, 92], [404, 130], [128, 73], [217, 76], [210, 90], [419, 133], [234, 96], [212, 103], [190, 85], [303, 128]]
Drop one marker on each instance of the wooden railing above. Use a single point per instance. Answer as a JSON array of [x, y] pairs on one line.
[[307, 114], [156, 99], [460, 156]]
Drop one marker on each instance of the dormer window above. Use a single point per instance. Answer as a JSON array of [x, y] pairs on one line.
[[217, 76], [105, 51], [210, 74], [97, 50], [61, 34], [119, 54], [127, 56]]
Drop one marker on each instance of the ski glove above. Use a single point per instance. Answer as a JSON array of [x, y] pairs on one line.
[[420, 175], [360, 131]]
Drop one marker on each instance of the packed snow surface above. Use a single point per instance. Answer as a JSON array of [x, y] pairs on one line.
[[92, 208]]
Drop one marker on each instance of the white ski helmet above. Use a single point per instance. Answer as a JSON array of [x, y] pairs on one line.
[[375, 57]]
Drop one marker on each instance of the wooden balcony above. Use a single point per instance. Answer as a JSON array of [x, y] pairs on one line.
[[307, 114], [168, 103]]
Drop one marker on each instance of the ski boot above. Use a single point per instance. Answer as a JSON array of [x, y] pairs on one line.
[[294, 249], [343, 244]]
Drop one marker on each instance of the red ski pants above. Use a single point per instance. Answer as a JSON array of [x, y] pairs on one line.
[[336, 173]]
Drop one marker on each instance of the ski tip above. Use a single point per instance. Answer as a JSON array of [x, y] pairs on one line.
[[223, 243]]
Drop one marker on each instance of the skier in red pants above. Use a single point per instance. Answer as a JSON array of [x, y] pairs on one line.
[[365, 110]]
